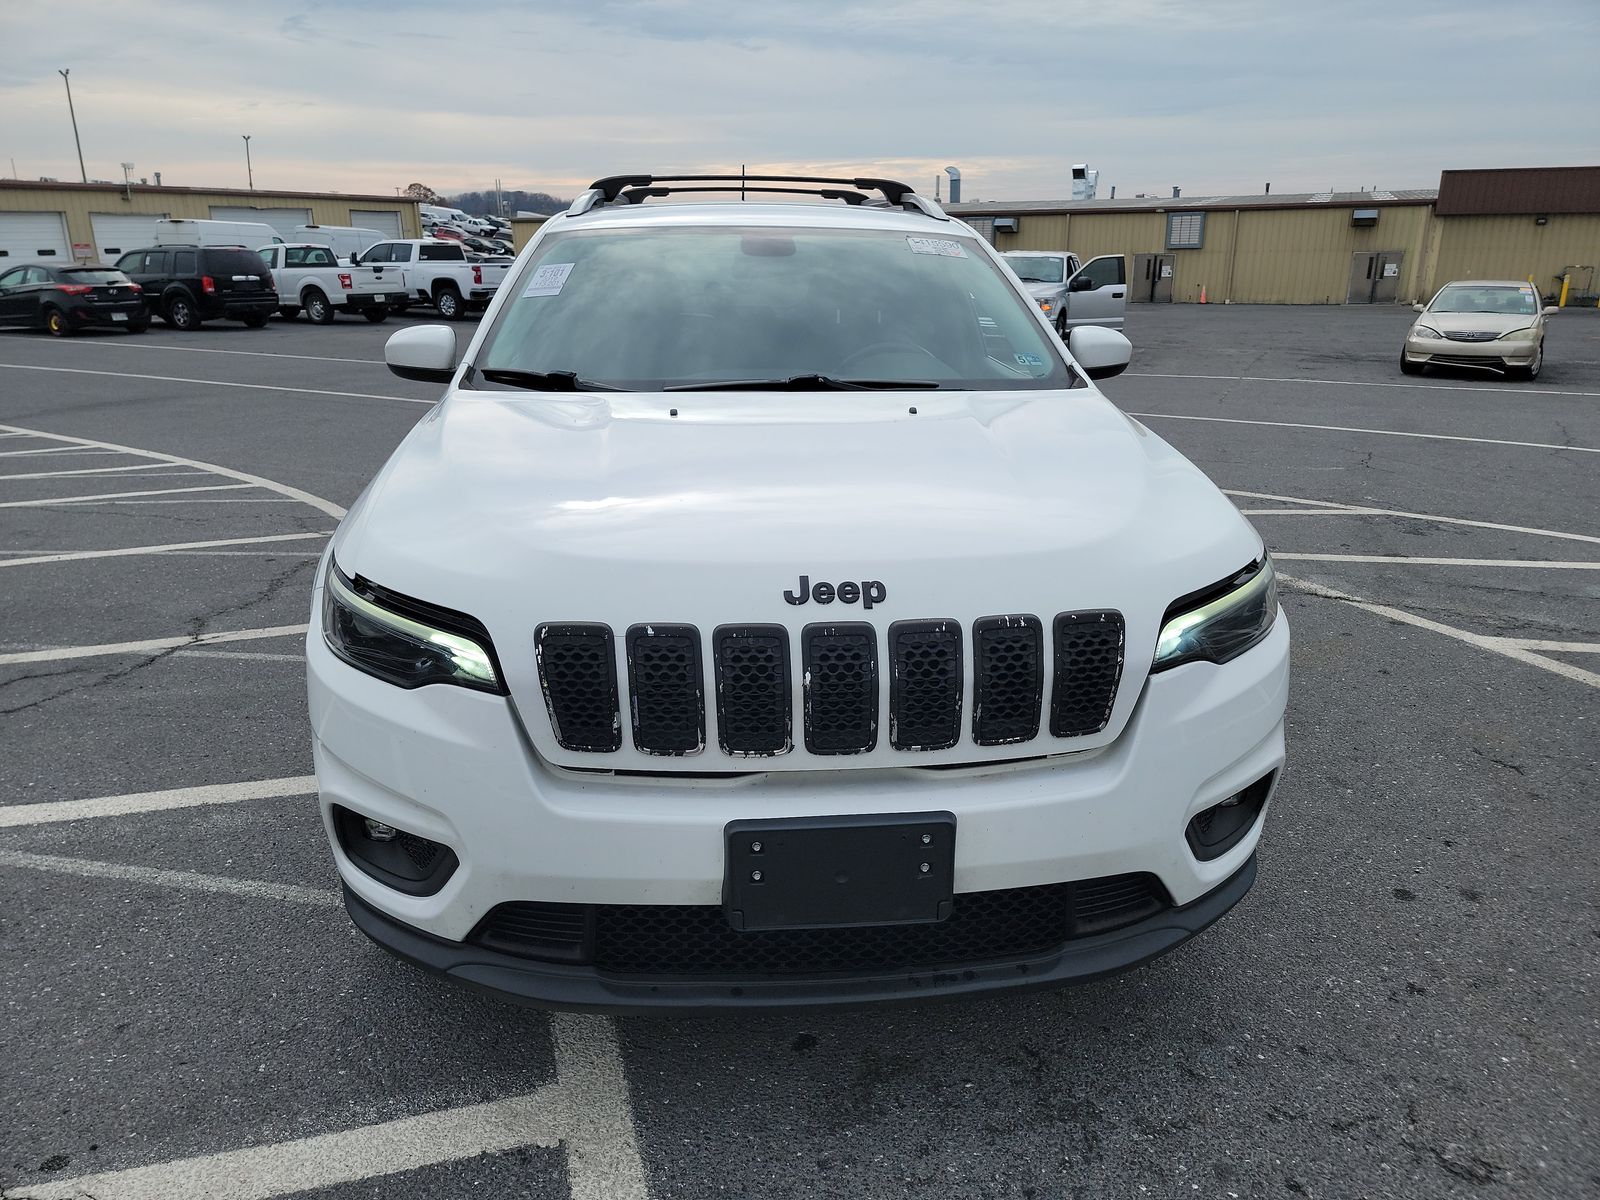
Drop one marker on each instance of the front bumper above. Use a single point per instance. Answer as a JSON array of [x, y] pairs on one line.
[[1494, 355]]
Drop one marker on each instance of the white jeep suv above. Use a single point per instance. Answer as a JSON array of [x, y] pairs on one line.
[[774, 612]]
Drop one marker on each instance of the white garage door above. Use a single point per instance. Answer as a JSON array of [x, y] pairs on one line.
[[385, 221], [34, 237], [117, 233], [283, 220]]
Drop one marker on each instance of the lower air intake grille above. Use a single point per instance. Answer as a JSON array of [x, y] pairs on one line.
[[841, 688], [925, 687], [1088, 665], [578, 671], [697, 941], [1008, 679], [752, 689], [669, 715]]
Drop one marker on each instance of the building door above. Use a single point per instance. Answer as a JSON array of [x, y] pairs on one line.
[[117, 233], [1152, 279], [34, 237], [284, 221], [386, 222], [1375, 276]]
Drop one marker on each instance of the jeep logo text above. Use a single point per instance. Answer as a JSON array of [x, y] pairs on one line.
[[868, 591]]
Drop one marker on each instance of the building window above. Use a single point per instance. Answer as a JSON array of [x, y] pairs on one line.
[[1186, 230]]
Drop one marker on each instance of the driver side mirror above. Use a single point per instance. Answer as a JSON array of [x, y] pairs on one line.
[[355, 258], [1101, 353], [1419, 308], [1081, 283], [1551, 310], [423, 352]]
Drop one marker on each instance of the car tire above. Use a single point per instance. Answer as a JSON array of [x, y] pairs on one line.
[[180, 313], [55, 323], [450, 304], [376, 315], [1407, 367], [255, 320], [289, 312], [318, 310], [1531, 371]]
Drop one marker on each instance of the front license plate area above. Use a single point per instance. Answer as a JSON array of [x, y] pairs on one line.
[[822, 872], [119, 316]]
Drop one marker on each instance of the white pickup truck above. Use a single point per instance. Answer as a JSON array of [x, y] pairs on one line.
[[310, 278], [437, 272]]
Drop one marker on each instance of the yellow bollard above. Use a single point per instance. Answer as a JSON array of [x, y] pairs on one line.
[[1566, 282]]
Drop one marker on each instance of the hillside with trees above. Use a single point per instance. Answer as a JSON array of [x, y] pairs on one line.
[[514, 201]]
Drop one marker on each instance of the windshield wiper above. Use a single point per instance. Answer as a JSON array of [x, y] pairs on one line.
[[544, 381], [801, 383]]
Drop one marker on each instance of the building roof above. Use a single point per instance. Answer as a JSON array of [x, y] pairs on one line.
[[1373, 199], [164, 190], [1520, 191]]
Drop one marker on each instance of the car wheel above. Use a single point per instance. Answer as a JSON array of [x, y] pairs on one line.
[[181, 314], [448, 301], [288, 312], [1407, 367], [318, 310], [55, 323], [255, 320], [376, 315]]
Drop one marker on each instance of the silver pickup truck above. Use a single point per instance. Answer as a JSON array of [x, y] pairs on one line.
[[1073, 293], [436, 272]]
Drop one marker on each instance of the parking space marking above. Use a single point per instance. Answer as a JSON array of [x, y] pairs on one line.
[[1363, 510], [168, 548], [209, 487], [1417, 560], [50, 812], [92, 471], [1513, 648], [247, 655], [1426, 387], [50, 450], [258, 387], [596, 1120], [120, 345], [1441, 437], [149, 645], [259, 889], [272, 485]]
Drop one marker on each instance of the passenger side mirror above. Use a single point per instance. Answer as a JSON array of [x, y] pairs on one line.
[[1081, 283], [1551, 310], [1419, 308], [423, 352], [355, 258], [1101, 353]]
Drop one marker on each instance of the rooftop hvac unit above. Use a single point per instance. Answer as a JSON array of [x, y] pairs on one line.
[[1084, 181]]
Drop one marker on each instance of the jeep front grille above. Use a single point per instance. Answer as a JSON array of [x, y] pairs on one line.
[[753, 677]]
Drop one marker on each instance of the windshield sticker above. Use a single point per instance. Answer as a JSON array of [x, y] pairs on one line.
[[1029, 360], [943, 247], [548, 280]]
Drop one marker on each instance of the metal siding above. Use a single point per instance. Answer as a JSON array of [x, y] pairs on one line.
[[1518, 191], [1515, 248]]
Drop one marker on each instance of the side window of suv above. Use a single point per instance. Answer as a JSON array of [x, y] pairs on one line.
[[158, 262], [183, 262], [132, 263]]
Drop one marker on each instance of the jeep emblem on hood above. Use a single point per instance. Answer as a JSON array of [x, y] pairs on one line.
[[868, 591]]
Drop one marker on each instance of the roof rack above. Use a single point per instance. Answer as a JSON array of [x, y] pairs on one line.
[[634, 189]]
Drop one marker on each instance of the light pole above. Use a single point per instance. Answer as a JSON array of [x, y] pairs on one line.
[[74, 113], [248, 170]]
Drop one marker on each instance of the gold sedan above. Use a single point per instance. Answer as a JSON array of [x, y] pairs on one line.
[[1488, 324]]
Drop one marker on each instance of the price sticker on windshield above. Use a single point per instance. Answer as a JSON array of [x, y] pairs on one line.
[[548, 280], [943, 247]]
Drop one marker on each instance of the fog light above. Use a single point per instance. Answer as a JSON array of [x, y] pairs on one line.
[[1218, 829], [379, 832], [405, 861]]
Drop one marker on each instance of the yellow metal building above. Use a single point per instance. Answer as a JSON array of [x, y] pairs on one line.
[[94, 222]]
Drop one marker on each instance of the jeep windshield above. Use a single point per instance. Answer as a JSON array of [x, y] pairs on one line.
[[1042, 268], [768, 308]]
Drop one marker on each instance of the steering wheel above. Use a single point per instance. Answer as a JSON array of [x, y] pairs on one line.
[[885, 348]]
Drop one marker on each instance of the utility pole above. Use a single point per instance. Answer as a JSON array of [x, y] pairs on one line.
[[74, 112], [248, 170]]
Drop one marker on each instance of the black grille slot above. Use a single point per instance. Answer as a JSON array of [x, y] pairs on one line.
[[1008, 679], [665, 693], [578, 671], [694, 940], [841, 688], [1088, 667], [925, 684], [531, 930], [422, 853], [752, 689]]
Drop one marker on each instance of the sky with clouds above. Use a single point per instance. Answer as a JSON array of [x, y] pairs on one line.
[[1215, 96]]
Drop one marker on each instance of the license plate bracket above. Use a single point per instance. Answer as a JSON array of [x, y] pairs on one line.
[[830, 872]]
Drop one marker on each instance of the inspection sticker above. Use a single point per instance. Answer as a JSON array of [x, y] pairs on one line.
[[548, 280], [1029, 360], [943, 247]]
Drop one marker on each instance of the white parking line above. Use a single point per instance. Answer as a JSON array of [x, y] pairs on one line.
[[259, 387], [210, 487], [247, 655], [1362, 510], [1440, 437], [1417, 560], [194, 881], [51, 812], [92, 471], [168, 548], [1426, 387], [1514, 648], [272, 485], [47, 449], [149, 645], [373, 362]]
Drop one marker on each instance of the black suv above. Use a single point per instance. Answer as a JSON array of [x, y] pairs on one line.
[[184, 285]]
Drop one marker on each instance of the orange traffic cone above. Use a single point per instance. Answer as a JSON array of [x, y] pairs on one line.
[[1202, 293]]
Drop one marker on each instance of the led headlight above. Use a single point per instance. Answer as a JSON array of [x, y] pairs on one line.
[[405, 642], [1519, 335], [1227, 621], [1422, 331]]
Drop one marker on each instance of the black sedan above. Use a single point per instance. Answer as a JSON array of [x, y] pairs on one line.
[[62, 300]]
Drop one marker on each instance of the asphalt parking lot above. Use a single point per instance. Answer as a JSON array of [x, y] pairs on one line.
[[1405, 1006]]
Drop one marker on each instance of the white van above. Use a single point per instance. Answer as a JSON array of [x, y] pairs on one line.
[[183, 232], [433, 214], [343, 240]]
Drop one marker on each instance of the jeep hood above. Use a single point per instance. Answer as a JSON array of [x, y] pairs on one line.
[[704, 508]]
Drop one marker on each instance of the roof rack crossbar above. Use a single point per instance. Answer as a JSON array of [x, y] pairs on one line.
[[634, 188], [636, 195]]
